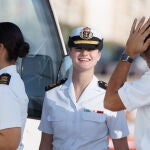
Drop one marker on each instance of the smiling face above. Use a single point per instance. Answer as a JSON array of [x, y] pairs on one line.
[[83, 59]]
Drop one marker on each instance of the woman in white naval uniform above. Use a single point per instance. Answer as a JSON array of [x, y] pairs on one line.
[[13, 98], [73, 116]]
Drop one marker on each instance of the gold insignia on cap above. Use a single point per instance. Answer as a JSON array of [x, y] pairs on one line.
[[86, 33]]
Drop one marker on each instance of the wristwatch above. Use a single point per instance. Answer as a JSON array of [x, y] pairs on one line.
[[126, 57]]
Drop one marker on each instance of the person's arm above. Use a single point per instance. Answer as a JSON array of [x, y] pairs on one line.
[[135, 45], [46, 142], [120, 144], [10, 138]]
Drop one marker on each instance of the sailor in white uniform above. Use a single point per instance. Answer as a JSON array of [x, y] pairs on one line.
[[73, 116], [122, 94], [13, 97]]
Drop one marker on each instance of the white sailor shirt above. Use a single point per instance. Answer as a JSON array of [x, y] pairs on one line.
[[13, 102], [82, 125]]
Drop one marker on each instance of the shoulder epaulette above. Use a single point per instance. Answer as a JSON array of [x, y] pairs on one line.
[[5, 78], [102, 84], [51, 86]]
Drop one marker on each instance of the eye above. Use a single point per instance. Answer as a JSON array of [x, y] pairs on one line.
[[77, 49]]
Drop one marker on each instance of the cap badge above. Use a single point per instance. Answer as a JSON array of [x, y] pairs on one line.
[[86, 33]]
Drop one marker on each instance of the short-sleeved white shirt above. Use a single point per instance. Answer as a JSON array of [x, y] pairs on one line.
[[13, 102], [76, 125], [137, 95]]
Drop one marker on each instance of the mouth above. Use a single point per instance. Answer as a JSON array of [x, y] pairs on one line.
[[84, 59]]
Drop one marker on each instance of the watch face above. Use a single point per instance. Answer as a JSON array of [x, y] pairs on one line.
[[125, 57]]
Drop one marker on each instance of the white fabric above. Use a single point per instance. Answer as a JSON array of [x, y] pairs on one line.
[[75, 128], [13, 102], [137, 95], [145, 143]]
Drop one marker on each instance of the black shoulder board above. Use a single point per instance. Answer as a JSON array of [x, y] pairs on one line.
[[5, 78], [102, 84], [49, 87]]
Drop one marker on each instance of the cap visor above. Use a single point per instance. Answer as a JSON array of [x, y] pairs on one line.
[[86, 46]]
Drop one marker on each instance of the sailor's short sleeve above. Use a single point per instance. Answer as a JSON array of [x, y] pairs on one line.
[[10, 111], [45, 125], [117, 125], [135, 94]]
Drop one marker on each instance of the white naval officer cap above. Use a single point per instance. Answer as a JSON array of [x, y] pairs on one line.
[[85, 37]]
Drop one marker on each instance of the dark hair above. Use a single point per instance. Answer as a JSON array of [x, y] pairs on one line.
[[12, 38]]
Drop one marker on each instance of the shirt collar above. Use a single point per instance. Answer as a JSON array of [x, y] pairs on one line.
[[91, 85], [8, 69]]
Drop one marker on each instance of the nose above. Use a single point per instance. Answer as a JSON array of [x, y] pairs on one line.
[[84, 51]]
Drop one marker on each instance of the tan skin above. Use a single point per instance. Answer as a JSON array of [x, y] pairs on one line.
[[9, 138], [84, 62], [46, 142], [135, 45]]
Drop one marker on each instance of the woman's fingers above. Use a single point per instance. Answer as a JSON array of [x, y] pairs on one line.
[[140, 24], [145, 26], [146, 44], [133, 26]]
